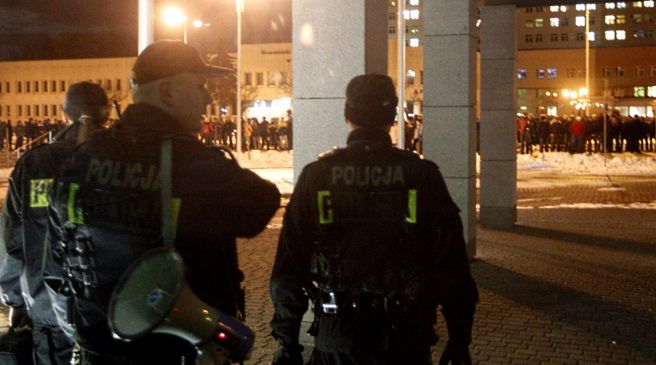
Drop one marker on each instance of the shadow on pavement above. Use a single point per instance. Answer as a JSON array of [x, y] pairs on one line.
[[637, 247], [626, 326]]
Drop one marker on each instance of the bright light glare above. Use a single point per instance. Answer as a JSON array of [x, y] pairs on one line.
[[173, 16], [583, 91], [197, 23], [565, 93], [307, 34]]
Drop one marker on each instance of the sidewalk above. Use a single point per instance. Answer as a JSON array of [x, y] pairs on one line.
[[572, 283]]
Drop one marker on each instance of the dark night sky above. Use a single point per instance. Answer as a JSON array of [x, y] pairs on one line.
[[58, 29]]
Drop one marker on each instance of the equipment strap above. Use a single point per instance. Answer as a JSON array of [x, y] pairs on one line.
[[166, 181]]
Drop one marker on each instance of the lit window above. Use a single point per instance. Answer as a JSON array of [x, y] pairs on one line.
[[414, 2], [528, 24], [609, 19], [552, 73], [620, 71], [592, 36], [410, 77], [414, 14], [610, 5], [639, 91], [554, 22], [621, 5], [406, 14], [637, 4], [620, 35], [413, 42], [521, 73], [521, 93], [609, 35], [554, 8], [592, 7], [563, 8], [580, 7], [620, 19], [651, 91], [648, 4], [580, 21], [414, 30], [540, 73], [539, 23]]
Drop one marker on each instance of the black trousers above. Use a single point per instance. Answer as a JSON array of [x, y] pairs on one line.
[[414, 357], [51, 346]]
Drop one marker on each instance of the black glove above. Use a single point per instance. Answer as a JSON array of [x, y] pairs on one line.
[[288, 355], [18, 318], [457, 354]]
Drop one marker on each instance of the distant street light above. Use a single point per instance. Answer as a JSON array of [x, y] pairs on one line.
[[174, 17], [239, 7]]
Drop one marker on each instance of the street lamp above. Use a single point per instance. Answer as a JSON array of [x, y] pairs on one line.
[[174, 17], [239, 7]]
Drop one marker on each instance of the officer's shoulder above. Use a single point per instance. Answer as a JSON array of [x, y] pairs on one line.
[[406, 154], [331, 153]]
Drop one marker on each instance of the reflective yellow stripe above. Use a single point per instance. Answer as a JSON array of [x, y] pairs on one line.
[[325, 212], [39, 192], [74, 213], [176, 202], [412, 206]]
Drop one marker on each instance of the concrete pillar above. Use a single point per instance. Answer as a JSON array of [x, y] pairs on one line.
[[450, 44], [498, 127], [332, 41]]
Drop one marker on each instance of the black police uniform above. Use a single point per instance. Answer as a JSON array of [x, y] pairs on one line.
[[24, 222], [372, 236], [108, 201]]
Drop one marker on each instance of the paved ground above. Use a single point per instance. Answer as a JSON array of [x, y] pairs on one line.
[[565, 286]]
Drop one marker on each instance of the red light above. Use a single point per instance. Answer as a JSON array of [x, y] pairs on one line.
[[221, 336]]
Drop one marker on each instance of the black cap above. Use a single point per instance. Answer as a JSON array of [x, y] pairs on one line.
[[86, 99], [170, 58], [371, 101]]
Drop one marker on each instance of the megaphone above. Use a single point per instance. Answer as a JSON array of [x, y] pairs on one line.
[[153, 297]]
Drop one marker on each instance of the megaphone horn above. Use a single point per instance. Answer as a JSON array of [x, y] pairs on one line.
[[153, 297]]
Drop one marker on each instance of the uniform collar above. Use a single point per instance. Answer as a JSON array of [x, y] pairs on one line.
[[144, 118], [368, 136]]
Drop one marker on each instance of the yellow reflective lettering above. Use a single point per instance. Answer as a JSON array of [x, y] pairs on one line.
[[325, 207], [39, 192], [411, 217], [75, 214]]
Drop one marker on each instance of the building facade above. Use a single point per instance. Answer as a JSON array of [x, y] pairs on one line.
[[36, 89], [551, 66]]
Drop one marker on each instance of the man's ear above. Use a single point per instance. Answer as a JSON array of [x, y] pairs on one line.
[[165, 94]]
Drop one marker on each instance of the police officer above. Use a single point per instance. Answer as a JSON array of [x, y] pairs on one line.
[[109, 205], [24, 222], [373, 238]]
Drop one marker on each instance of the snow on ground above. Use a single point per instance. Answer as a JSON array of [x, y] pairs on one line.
[[546, 170]]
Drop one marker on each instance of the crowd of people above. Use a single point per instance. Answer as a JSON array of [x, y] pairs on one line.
[[579, 134], [15, 135], [257, 134]]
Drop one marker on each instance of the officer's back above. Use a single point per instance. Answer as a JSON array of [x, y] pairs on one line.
[[373, 238]]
